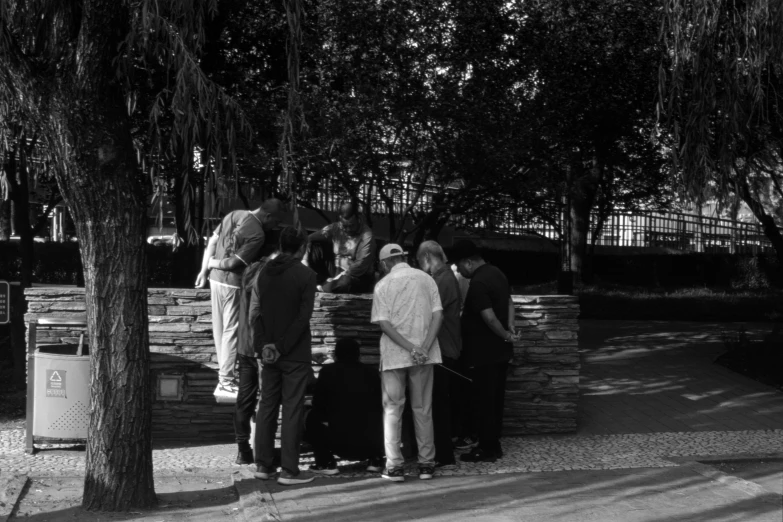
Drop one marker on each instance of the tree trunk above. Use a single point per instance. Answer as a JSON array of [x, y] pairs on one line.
[[5, 220], [21, 198], [104, 191], [583, 189], [768, 224]]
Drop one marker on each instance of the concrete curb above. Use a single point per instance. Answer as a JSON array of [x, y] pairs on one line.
[[750, 488], [255, 501], [11, 488]]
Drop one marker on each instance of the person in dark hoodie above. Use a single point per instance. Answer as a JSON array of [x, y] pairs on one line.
[[346, 419], [280, 310]]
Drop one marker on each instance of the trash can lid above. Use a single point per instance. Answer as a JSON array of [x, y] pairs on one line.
[[64, 321]]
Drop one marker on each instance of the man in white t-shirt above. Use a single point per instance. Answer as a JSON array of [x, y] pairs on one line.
[[406, 305]]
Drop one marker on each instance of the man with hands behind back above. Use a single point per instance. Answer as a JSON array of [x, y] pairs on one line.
[[406, 305]]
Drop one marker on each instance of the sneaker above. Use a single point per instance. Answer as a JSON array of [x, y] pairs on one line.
[[465, 443], [395, 475], [245, 457], [263, 473], [376, 465], [287, 478], [227, 388], [329, 469], [479, 455], [426, 472]]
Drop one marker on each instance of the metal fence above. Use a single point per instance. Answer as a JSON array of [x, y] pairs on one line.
[[640, 229]]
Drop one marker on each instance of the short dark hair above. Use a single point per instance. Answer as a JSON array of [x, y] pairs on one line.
[[346, 350], [291, 240], [465, 249]]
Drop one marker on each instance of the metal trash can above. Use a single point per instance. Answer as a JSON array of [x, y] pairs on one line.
[[58, 387]]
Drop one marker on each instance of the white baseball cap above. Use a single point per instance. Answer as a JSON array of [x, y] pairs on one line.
[[391, 250]]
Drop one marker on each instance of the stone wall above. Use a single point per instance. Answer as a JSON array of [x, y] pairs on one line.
[[542, 386]]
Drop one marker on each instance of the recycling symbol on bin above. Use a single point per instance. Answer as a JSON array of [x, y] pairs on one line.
[[55, 383]]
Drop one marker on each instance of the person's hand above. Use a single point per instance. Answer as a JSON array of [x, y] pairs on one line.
[[329, 280], [511, 336], [201, 280], [269, 354], [319, 288], [418, 357]]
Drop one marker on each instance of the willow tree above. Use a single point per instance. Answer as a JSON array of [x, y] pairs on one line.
[[80, 72], [721, 100]]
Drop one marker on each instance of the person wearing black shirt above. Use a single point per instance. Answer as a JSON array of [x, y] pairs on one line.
[[346, 419], [487, 337]]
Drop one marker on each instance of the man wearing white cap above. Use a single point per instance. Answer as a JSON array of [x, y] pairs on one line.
[[406, 305]]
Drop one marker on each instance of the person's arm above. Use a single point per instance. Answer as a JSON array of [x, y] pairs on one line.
[[302, 321], [432, 332], [325, 234], [365, 257], [511, 316], [209, 252], [394, 335], [256, 321], [229, 263], [489, 317]]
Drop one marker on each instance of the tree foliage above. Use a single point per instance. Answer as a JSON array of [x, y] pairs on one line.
[[720, 100]]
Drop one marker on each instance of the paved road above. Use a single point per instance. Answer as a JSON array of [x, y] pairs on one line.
[[658, 376]]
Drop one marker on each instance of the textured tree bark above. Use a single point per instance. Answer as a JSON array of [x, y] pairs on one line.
[[104, 190], [105, 196]]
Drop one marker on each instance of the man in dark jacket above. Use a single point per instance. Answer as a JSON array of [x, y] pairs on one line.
[[280, 311], [346, 419]]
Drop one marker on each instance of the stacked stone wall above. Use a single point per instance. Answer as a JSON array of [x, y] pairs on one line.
[[543, 379]]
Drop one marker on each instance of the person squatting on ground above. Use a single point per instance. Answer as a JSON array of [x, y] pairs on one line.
[[407, 307], [447, 390], [487, 336], [235, 244], [280, 310], [354, 252], [346, 418]]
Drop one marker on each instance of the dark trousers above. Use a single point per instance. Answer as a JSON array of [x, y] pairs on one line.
[[247, 399], [441, 413], [461, 392], [489, 394], [282, 383], [327, 443]]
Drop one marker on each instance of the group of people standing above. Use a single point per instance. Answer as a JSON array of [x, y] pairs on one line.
[[444, 351]]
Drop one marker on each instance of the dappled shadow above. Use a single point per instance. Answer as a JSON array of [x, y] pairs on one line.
[[644, 377], [204, 498], [651, 494]]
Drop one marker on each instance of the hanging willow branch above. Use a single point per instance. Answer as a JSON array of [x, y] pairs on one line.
[[293, 120], [720, 88]]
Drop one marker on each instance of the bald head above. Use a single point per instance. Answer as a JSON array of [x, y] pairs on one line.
[[270, 213], [430, 256]]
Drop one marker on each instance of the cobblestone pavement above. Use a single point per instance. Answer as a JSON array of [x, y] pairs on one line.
[[530, 454]]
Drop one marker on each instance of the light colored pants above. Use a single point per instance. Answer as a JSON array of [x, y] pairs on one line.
[[225, 328], [394, 382]]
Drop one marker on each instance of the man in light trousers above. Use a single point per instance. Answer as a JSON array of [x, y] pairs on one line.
[[406, 306], [235, 244]]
